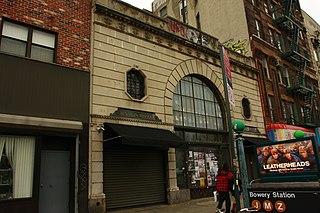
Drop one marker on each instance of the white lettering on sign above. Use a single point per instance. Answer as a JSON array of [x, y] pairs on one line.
[[286, 165], [267, 205], [259, 194], [283, 195]]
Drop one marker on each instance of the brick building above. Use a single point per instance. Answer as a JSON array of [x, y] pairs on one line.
[[273, 32], [44, 90]]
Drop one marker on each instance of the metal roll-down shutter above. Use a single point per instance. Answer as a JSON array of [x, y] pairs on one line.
[[133, 177]]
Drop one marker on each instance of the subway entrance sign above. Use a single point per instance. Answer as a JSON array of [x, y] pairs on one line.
[[275, 201]]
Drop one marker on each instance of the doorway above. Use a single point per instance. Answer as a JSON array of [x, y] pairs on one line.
[[54, 181]]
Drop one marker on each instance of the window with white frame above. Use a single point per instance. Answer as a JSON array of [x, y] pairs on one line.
[[271, 37], [266, 8], [183, 7], [286, 76], [258, 28], [273, 10], [315, 53], [27, 41], [16, 166], [279, 74], [301, 35], [278, 41]]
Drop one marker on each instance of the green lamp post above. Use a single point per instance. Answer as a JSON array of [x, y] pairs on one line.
[[298, 134], [238, 127]]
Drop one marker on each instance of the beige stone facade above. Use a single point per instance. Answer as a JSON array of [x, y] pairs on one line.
[[229, 18], [125, 37]]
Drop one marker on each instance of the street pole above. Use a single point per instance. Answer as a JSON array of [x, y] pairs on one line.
[[243, 170], [230, 129]]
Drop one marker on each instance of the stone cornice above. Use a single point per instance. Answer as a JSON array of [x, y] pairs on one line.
[[155, 29]]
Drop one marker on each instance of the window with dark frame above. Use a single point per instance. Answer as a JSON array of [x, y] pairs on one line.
[[135, 84], [286, 76], [183, 10], [265, 68], [27, 41], [271, 108], [284, 110], [279, 75], [258, 28], [292, 115], [271, 37], [302, 113], [163, 12], [195, 105], [198, 21], [6, 176], [273, 10], [246, 109]]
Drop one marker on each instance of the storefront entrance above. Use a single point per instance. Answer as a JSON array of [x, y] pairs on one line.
[[54, 181]]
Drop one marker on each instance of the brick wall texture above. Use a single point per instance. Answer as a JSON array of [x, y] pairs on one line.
[[70, 19]]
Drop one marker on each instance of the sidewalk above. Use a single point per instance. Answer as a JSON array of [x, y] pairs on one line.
[[204, 205]]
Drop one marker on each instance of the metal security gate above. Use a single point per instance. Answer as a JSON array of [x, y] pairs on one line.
[[133, 177]]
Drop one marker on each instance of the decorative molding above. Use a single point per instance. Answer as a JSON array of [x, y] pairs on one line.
[[207, 50], [135, 114]]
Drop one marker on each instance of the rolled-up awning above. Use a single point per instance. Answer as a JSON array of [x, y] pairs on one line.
[[141, 136], [256, 141]]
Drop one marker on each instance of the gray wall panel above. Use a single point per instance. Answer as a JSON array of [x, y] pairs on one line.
[[34, 88]]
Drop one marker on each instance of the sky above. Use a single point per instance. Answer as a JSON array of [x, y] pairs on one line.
[[312, 7]]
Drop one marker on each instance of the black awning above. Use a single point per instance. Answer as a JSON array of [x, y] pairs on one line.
[[256, 141], [142, 136]]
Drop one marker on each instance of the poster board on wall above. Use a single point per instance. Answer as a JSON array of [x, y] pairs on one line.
[[288, 158]]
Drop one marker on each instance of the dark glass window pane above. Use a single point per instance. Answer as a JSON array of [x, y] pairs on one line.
[[135, 84], [246, 108], [42, 53], [177, 118], [201, 121], [199, 105], [13, 46]]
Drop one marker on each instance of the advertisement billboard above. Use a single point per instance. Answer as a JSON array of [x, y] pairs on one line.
[[288, 157]]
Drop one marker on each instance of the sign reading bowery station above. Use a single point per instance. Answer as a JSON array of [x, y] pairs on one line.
[[285, 201]]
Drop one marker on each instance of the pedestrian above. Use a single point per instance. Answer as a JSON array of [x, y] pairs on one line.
[[224, 178]]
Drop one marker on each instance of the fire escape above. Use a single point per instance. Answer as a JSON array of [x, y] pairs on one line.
[[295, 55]]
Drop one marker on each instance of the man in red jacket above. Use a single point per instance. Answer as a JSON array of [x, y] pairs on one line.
[[224, 178]]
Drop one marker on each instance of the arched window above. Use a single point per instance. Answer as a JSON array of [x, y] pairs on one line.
[[195, 105], [200, 121]]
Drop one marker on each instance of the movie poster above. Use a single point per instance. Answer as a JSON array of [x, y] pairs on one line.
[[287, 157]]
